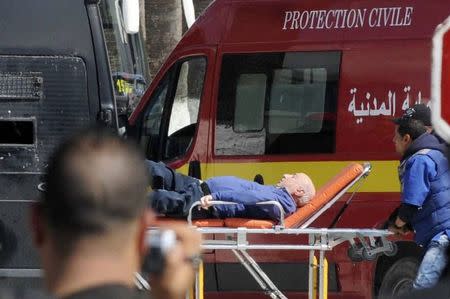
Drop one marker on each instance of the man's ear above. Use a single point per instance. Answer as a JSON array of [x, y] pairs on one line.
[[407, 138], [299, 192], [37, 226]]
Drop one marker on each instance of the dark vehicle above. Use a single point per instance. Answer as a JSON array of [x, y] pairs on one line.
[[58, 59]]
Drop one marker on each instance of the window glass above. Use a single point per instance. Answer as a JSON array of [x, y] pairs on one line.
[[185, 107], [170, 119], [152, 120], [296, 95], [250, 97], [277, 103], [127, 57]]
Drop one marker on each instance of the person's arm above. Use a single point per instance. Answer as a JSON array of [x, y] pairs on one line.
[[248, 197]]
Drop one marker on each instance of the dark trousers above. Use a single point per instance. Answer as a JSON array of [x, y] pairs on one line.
[[164, 177], [174, 193]]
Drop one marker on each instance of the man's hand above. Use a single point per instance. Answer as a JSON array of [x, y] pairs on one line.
[[179, 271], [399, 227], [398, 231], [206, 201]]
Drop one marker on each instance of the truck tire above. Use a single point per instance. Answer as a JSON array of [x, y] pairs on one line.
[[399, 278]]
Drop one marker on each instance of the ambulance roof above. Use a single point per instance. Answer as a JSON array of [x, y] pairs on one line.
[[271, 21]]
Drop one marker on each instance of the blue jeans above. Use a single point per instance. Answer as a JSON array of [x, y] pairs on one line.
[[433, 264]]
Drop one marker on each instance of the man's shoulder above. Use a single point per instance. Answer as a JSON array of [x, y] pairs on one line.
[[430, 157], [424, 156]]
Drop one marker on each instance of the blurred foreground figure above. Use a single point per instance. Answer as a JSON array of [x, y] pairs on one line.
[[90, 224]]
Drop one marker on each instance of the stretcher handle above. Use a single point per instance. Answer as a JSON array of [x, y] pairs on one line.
[[219, 202], [198, 204]]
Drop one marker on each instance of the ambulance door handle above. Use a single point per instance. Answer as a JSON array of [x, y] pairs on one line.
[[195, 170]]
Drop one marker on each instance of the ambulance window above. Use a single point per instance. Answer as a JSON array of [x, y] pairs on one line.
[[152, 120], [170, 120], [249, 109], [185, 107], [296, 95], [277, 103]]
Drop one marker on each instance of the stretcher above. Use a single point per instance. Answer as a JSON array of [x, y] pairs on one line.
[[365, 244]]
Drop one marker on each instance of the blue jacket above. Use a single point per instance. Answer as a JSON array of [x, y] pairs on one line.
[[246, 194], [425, 178]]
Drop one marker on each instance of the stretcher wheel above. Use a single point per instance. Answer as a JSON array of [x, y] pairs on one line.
[[368, 255], [354, 254], [392, 250]]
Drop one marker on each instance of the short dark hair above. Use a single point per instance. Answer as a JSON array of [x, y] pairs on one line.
[[413, 127], [95, 181], [418, 112]]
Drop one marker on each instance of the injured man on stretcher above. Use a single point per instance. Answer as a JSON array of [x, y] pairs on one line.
[[174, 193]]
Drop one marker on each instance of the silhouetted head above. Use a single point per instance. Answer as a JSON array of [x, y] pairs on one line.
[[96, 185]]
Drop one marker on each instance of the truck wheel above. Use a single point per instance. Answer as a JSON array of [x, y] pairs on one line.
[[399, 278]]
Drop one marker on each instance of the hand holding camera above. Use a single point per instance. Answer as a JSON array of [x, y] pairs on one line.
[[174, 255]]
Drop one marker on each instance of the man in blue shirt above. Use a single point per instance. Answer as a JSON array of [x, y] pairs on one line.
[[175, 193], [425, 200]]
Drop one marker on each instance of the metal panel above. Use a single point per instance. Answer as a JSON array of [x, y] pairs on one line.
[[61, 108], [52, 91]]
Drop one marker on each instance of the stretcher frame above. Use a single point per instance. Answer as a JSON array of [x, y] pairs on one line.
[[372, 243], [368, 243]]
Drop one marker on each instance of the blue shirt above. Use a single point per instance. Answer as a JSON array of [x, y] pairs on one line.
[[246, 194]]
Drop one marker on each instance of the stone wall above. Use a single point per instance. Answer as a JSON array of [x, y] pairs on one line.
[[163, 30], [165, 26]]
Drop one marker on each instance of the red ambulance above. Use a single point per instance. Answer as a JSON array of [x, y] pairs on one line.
[[271, 87]]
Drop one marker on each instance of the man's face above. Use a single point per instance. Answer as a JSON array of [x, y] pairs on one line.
[[401, 142]]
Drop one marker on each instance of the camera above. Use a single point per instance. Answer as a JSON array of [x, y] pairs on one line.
[[160, 242]]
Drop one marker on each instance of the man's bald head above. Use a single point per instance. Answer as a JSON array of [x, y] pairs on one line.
[[95, 183], [299, 186]]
